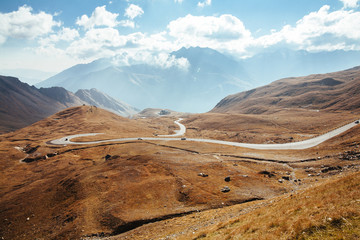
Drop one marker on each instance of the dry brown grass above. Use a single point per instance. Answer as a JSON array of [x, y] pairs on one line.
[[331, 91], [329, 210], [279, 127], [78, 192]]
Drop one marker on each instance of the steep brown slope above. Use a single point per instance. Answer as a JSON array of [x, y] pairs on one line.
[[22, 105], [332, 91]]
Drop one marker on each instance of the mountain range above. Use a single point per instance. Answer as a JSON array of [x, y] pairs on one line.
[[209, 77], [22, 105], [104, 101]]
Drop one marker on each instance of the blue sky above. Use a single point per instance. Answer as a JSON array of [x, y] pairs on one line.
[[54, 35]]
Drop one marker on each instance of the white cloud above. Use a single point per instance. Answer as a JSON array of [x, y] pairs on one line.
[[204, 3], [178, 1], [322, 30], [65, 34], [25, 24], [97, 42], [161, 59], [127, 23], [225, 32], [350, 3], [100, 17], [224, 27], [319, 30], [133, 11]]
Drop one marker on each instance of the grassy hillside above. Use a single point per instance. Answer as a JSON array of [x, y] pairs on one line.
[[328, 211], [331, 91]]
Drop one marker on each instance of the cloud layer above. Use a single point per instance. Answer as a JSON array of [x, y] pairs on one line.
[[99, 35], [100, 17], [350, 3], [24, 24]]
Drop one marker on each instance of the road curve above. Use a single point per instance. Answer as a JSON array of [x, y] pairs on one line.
[[309, 143], [177, 132]]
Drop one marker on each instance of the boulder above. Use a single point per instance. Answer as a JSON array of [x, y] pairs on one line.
[[203, 175], [225, 189], [286, 178]]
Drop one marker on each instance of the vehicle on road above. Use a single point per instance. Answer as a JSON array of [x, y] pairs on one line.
[[140, 139], [357, 121], [183, 138]]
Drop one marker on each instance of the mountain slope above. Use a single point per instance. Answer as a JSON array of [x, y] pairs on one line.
[[332, 91], [68, 99], [99, 99], [22, 105], [75, 71]]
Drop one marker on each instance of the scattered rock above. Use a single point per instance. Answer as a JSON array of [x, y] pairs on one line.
[[29, 150], [350, 155], [287, 178], [227, 179], [327, 169], [267, 174], [51, 154], [164, 112], [203, 175], [29, 160], [225, 189], [113, 157], [281, 181]]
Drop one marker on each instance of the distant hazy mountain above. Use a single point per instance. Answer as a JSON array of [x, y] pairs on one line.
[[331, 91], [272, 65], [22, 105], [28, 76], [210, 77], [68, 99], [100, 99]]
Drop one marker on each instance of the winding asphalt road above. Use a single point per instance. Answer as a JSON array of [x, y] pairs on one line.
[[309, 143], [177, 132]]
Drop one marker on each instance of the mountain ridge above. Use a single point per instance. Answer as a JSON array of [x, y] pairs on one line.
[[331, 91], [104, 101], [22, 104]]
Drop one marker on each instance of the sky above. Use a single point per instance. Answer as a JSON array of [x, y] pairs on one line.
[[51, 36]]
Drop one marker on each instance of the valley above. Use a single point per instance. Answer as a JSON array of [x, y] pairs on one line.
[[146, 189], [88, 173]]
